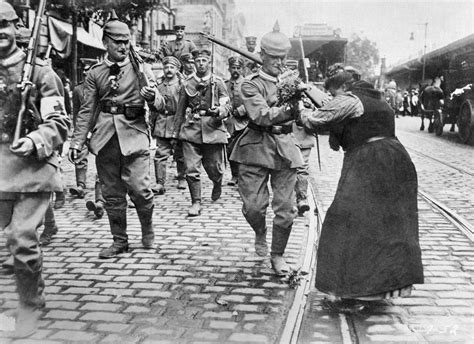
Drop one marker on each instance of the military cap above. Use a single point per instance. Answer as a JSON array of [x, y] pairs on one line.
[[186, 57], [275, 43], [251, 39], [117, 30], [7, 12], [204, 52], [236, 61], [23, 35], [172, 60], [179, 27]]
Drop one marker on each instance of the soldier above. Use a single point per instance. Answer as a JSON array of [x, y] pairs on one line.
[[81, 165], [306, 142], [187, 62], [163, 126], [180, 45], [119, 137], [238, 120], [250, 66], [202, 129], [267, 149], [30, 171]]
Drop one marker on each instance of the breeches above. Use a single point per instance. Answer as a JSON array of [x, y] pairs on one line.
[[164, 149], [20, 217], [121, 174], [253, 189], [210, 156]]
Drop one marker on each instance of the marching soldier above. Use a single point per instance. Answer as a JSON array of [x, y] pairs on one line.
[[306, 142], [238, 120], [180, 45], [30, 168], [119, 137], [187, 61], [267, 150], [81, 165], [250, 66], [163, 126], [202, 129]]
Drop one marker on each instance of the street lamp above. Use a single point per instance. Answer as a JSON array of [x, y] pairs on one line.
[[412, 38]]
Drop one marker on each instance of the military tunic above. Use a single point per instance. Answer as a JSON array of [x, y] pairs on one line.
[[237, 122], [163, 122], [264, 153], [203, 136], [114, 112], [26, 183], [177, 48]]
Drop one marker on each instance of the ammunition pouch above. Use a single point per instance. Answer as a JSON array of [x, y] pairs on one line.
[[130, 111]]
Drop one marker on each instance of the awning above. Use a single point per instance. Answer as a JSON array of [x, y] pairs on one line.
[[315, 43], [60, 37]]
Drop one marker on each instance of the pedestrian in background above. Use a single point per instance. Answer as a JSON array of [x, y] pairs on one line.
[[199, 124], [187, 61], [162, 122], [30, 168], [120, 136], [369, 247], [267, 151], [180, 45]]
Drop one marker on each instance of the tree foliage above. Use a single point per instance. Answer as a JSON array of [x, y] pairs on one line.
[[362, 54]]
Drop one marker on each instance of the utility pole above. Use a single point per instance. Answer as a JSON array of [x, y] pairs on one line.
[[424, 53]]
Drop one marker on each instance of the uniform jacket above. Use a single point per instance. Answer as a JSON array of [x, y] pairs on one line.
[[177, 48], [195, 97], [304, 138], [77, 100], [99, 88], [163, 119], [38, 172], [260, 148], [238, 119]]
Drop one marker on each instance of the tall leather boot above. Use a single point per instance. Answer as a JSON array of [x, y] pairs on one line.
[[301, 189], [160, 176], [30, 287], [195, 190], [118, 228], [145, 215], [79, 190], [50, 227]]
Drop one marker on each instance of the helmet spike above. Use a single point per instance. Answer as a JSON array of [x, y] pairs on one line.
[[276, 27]]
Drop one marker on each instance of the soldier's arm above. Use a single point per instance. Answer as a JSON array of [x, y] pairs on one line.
[[53, 130], [86, 113], [76, 104], [180, 111], [257, 108]]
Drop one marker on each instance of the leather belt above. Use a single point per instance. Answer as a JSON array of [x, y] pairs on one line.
[[114, 109], [273, 129]]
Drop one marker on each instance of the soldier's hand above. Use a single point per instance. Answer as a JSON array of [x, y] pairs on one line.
[[24, 147], [213, 112], [148, 93], [73, 155]]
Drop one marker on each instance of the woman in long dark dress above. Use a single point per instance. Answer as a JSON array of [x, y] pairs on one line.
[[369, 247]]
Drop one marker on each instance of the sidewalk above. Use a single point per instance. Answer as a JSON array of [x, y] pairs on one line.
[[204, 283]]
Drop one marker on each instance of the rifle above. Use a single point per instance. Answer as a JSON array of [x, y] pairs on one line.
[[316, 96], [212, 81], [138, 67], [27, 73]]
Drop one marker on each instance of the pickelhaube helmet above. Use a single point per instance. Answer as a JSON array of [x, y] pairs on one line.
[[116, 29], [275, 43], [7, 12]]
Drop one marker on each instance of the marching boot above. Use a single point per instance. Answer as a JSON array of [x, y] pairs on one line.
[[216, 191], [301, 189], [79, 190], [50, 227], [195, 190], [146, 220], [279, 265], [30, 287], [160, 176], [118, 228], [261, 247]]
